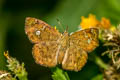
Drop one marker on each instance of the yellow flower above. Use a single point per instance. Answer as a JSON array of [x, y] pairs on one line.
[[6, 54], [89, 22], [105, 23], [55, 27], [112, 28]]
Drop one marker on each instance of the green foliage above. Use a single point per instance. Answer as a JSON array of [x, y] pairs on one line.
[[59, 74], [98, 77], [16, 68]]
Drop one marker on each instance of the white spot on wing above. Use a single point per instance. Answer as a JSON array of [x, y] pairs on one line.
[[89, 41], [37, 33]]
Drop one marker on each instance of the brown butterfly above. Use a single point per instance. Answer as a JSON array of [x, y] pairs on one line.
[[52, 48]]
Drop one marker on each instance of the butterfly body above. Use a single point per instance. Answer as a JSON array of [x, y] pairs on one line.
[[52, 48]]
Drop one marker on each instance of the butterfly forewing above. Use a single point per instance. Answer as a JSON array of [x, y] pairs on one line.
[[38, 30], [86, 39]]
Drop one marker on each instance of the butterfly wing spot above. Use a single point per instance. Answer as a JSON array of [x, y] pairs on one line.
[[89, 41], [37, 33]]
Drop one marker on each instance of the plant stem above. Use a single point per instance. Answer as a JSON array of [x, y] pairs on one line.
[[100, 62]]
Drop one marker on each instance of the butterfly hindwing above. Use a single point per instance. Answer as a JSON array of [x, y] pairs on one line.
[[74, 59], [44, 53]]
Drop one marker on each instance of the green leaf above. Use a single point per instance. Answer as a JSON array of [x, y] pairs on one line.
[[98, 77], [59, 74]]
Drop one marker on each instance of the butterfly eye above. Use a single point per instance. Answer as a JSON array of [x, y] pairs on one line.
[[37, 33]]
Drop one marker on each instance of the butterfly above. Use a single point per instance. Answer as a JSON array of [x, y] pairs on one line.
[[52, 47]]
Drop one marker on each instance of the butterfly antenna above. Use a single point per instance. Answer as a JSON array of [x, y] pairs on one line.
[[61, 26], [66, 29]]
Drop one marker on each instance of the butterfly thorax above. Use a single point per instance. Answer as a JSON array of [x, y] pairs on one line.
[[63, 44]]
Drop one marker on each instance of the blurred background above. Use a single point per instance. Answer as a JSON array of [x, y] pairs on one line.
[[13, 38]]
